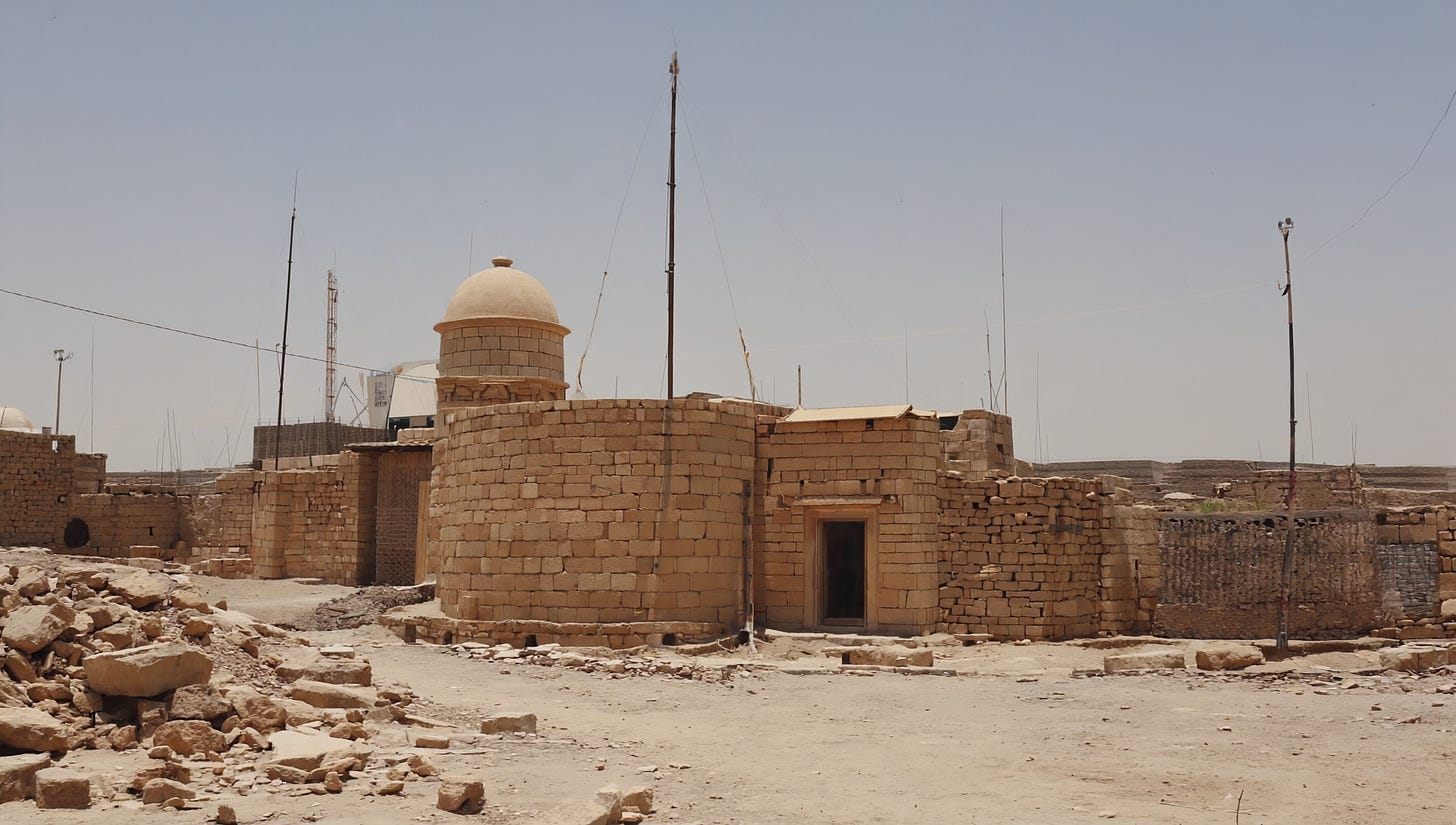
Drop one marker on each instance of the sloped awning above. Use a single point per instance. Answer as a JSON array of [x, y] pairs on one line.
[[855, 413]]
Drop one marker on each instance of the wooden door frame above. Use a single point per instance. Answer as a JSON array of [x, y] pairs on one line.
[[814, 564]]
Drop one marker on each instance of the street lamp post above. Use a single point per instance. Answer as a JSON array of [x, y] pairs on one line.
[[1287, 571], [61, 358]]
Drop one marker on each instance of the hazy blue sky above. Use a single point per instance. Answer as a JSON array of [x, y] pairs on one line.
[[855, 156]]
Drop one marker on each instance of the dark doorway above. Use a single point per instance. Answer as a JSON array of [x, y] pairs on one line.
[[844, 570]]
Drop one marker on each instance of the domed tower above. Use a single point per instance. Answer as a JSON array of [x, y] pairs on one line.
[[500, 342], [11, 418]]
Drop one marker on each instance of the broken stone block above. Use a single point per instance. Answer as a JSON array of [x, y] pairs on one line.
[[460, 796], [189, 737], [638, 799], [31, 628], [1227, 657], [18, 665], [432, 740], [174, 771], [509, 723], [256, 710], [60, 788], [337, 651], [142, 589], [17, 775], [186, 599], [306, 751], [324, 695], [158, 791], [147, 671], [1146, 660], [349, 730], [884, 655], [28, 729], [329, 671], [197, 702]]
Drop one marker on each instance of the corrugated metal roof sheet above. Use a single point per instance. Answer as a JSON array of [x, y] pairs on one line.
[[847, 413]]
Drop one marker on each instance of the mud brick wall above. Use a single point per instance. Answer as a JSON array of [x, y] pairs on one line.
[[881, 469], [1020, 558], [309, 439], [979, 443], [118, 521], [554, 511], [37, 476], [1221, 575], [396, 514], [1427, 538]]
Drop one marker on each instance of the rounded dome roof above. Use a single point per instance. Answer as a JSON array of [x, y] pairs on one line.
[[501, 292], [11, 418]]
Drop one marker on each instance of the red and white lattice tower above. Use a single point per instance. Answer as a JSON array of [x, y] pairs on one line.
[[331, 354]]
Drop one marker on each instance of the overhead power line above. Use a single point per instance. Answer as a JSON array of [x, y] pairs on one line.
[[217, 339]]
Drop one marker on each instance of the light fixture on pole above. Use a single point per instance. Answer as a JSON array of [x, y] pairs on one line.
[[61, 358], [1286, 572]]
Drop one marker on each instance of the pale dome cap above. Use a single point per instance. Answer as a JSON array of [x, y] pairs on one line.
[[499, 293], [11, 418]]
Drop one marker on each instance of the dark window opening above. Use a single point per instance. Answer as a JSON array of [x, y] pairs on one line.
[[529, 641], [77, 533], [844, 570]]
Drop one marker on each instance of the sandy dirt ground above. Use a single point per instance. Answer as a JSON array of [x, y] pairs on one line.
[[1014, 738]]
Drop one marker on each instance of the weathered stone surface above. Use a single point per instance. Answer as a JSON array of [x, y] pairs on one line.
[[147, 671], [884, 655], [197, 702], [187, 599], [509, 723], [1413, 658], [190, 736], [1146, 660], [305, 751], [460, 796], [17, 775], [257, 711], [32, 627], [142, 589], [158, 791], [103, 613], [12, 695], [33, 582], [590, 812], [28, 729], [18, 665], [329, 671], [1227, 656], [60, 788], [175, 771], [225, 815], [324, 695]]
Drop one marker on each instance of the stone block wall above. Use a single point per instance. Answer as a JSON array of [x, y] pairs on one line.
[[555, 511], [37, 477], [1023, 558], [1416, 544], [1333, 488], [1221, 575], [979, 443], [514, 349], [116, 522], [880, 470]]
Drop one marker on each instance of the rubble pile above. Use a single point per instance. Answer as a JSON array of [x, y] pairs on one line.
[[213, 700], [363, 606], [614, 663]]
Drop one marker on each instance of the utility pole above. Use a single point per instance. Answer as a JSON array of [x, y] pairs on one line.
[[283, 353], [331, 351], [671, 219], [61, 358], [1287, 572]]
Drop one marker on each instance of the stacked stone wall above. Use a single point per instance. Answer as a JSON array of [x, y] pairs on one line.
[[979, 443], [118, 522], [504, 349], [1221, 575], [879, 470], [1022, 558], [37, 477], [554, 511]]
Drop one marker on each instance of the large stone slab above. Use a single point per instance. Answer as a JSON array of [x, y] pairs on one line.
[[257, 710], [509, 723], [143, 589], [32, 627], [17, 775], [28, 729], [150, 670], [305, 751], [324, 695], [883, 655], [328, 671], [1145, 660], [189, 737], [1227, 656], [60, 788], [197, 702]]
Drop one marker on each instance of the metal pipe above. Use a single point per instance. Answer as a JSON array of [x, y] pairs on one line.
[[1287, 571]]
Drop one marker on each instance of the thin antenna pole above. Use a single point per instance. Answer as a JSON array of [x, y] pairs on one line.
[[990, 384], [61, 358], [1309, 416], [331, 348], [92, 448], [1041, 459], [1005, 378], [671, 221], [283, 354], [907, 362], [801, 386], [1287, 571]]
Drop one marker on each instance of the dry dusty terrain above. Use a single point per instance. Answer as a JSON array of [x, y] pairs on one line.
[[1015, 738]]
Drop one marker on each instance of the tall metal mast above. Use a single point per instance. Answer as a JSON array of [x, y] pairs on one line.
[[671, 219], [1287, 571], [283, 355], [331, 352]]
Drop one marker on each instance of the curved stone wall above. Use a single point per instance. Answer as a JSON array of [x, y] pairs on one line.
[[504, 349], [553, 511]]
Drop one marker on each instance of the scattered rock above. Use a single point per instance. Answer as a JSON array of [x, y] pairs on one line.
[[17, 775], [159, 791], [324, 695], [189, 737], [147, 671], [329, 671], [142, 589], [1227, 656], [60, 788], [257, 711], [638, 799], [509, 723], [32, 627], [1148, 660], [197, 702], [225, 815], [884, 655], [460, 796], [29, 729]]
